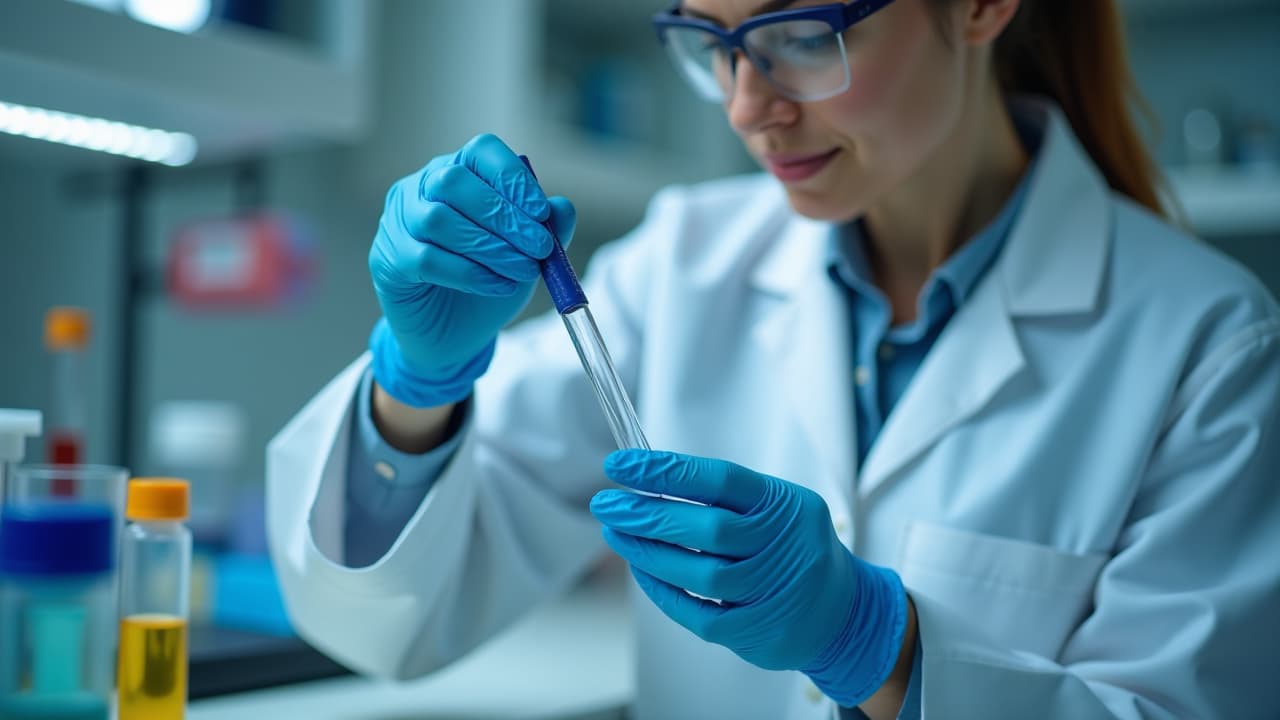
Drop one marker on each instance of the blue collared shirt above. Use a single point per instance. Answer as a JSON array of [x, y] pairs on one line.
[[886, 357]]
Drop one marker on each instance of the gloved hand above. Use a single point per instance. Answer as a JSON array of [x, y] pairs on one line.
[[454, 260], [792, 597]]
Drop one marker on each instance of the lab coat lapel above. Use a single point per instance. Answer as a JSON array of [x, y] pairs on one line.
[[1053, 263], [975, 356], [807, 336]]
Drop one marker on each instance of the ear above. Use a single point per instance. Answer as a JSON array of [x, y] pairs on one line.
[[985, 19]]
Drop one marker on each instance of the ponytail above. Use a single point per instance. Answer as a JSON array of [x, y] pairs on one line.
[[1074, 53]]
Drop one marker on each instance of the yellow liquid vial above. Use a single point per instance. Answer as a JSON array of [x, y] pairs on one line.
[[153, 667]]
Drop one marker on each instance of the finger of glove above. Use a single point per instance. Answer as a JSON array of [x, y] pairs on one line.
[[689, 569], [564, 219], [695, 614], [438, 224], [702, 527], [495, 163], [706, 480], [402, 267], [461, 189]]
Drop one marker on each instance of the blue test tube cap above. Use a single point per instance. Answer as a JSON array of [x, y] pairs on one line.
[[557, 273], [55, 539]]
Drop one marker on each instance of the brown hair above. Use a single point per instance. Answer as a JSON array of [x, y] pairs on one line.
[[1074, 53]]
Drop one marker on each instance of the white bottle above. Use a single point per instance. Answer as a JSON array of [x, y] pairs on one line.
[[15, 427]]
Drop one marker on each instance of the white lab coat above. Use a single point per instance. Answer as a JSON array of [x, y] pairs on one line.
[[1078, 487]]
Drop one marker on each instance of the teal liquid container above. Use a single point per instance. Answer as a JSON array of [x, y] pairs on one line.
[[56, 611]]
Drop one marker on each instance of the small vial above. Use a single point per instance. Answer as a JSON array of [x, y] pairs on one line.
[[56, 611], [154, 595]]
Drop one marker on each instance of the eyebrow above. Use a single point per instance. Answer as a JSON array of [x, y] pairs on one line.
[[767, 7]]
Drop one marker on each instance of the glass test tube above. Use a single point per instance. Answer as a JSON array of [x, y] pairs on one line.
[[566, 292], [154, 598], [613, 398], [66, 336]]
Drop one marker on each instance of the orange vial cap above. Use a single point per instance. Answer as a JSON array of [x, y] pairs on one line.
[[158, 499], [66, 328]]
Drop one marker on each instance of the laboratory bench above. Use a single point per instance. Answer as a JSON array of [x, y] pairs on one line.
[[571, 658]]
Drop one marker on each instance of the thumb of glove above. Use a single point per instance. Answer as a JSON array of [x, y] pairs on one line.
[[563, 220]]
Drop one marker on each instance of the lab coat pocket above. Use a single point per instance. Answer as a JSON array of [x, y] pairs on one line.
[[1025, 595]]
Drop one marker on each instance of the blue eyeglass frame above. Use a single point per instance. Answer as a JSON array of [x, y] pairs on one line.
[[840, 16]]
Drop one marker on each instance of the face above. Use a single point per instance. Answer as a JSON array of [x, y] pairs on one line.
[[838, 157]]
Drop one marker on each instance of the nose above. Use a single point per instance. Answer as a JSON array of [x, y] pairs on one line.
[[755, 104]]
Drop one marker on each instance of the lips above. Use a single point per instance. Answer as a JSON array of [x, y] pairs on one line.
[[796, 167]]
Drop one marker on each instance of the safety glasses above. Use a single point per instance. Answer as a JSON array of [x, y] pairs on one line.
[[801, 52]]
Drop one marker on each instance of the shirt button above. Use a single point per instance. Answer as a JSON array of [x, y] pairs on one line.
[[813, 693], [886, 351], [385, 470], [861, 375]]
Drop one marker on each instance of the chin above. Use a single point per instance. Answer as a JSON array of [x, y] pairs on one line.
[[825, 207]]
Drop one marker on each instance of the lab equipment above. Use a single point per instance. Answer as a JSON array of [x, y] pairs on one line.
[[454, 260], [155, 585], [1258, 147], [66, 337], [203, 443], [56, 611], [796, 598], [1204, 138], [15, 427], [571, 302], [97, 485]]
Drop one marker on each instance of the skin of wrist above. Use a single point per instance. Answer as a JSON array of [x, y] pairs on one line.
[[887, 702], [406, 428]]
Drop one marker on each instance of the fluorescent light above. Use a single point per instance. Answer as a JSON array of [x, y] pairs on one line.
[[108, 5], [116, 138], [184, 16]]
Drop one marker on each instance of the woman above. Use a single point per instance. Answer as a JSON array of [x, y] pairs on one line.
[[974, 431]]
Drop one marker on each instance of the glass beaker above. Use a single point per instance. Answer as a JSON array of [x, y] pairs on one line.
[[56, 611], [82, 488]]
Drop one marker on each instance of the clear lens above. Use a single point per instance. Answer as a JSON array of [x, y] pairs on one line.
[[703, 61], [805, 59]]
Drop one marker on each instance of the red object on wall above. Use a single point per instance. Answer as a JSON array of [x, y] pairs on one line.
[[256, 261]]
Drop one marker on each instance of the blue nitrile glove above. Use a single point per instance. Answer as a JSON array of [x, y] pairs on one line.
[[792, 597], [455, 259]]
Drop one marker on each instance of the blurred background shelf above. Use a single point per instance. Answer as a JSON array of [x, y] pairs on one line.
[[1154, 8], [607, 176], [236, 89], [1229, 202]]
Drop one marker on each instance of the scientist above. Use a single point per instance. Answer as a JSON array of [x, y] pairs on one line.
[[978, 433]]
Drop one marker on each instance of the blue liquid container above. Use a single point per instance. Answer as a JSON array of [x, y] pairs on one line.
[[56, 611]]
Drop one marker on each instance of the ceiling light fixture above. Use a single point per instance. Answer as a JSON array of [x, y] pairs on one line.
[[116, 138], [184, 16]]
